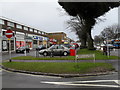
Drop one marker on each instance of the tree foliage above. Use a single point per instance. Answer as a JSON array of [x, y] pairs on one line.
[[87, 13], [110, 32]]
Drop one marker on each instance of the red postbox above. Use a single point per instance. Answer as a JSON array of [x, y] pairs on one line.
[[72, 52]]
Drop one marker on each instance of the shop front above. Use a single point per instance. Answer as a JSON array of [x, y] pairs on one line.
[[45, 41], [20, 41], [29, 42], [0, 41], [40, 42], [35, 41], [5, 42]]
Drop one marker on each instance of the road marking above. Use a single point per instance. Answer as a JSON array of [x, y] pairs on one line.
[[84, 83], [32, 74], [94, 81], [117, 81]]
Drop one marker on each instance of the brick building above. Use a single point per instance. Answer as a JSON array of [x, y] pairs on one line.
[[61, 37], [23, 35]]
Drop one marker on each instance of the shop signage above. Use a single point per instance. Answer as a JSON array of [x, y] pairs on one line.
[[35, 37], [41, 38]]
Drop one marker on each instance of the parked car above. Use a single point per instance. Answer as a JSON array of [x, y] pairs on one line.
[[98, 47], [40, 47], [55, 50], [22, 49], [75, 45], [67, 45]]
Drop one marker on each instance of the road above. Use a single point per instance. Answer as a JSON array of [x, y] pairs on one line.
[[5, 55], [115, 52], [19, 80]]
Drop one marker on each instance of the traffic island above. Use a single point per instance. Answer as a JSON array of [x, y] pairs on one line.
[[59, 69]]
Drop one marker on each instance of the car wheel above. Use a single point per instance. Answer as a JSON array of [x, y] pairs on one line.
[[65, 53], [45, 54]]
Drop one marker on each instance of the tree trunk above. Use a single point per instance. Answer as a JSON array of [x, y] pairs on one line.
[[89, 23], [83, 37], [83, 43], [90, 41]]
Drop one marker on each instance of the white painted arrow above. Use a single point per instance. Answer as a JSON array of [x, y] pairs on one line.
[[83, 83]]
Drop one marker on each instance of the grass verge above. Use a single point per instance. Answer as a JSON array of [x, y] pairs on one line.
[[60, 68], [98, 56]]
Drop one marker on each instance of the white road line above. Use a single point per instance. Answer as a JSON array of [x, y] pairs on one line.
[[117, 81], [72, 83], [94, 81], [95, 85]]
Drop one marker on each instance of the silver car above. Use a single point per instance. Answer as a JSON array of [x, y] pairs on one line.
[[55, 50]]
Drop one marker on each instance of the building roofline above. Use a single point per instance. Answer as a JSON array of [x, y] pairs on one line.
[[56, 33], [17, 22]]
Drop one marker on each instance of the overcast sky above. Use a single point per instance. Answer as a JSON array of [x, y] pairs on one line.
[[47, 16]]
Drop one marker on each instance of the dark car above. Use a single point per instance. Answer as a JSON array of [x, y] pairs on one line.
[[40, 47], [55, 50], [22, 50]]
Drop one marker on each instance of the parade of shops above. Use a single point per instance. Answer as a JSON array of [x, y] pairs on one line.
[[24, 35]]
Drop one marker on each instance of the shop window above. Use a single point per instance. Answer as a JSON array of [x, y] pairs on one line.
[[19, 26], [40, 32], [43, 33], [10, 24], [4, 45], [1, 21], [35, 42], [31, 29], [3, 33], [35, 31]]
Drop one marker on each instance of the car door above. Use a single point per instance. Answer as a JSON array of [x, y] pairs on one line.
[[60, 50], [56, 50], [53, 50]]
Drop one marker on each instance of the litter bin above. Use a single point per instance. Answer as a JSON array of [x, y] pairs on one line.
[[72, 52]]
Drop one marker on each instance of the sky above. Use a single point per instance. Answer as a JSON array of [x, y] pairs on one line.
[[49, 16]]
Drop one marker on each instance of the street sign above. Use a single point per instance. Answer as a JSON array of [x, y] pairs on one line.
[[9, 33]]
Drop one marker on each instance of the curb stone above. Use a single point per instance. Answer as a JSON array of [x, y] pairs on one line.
[[59, 75]]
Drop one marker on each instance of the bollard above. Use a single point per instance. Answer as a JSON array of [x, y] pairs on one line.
[[10, 60]]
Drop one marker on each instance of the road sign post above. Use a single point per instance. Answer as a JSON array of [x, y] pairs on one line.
[[9, 50], [9, 34]]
